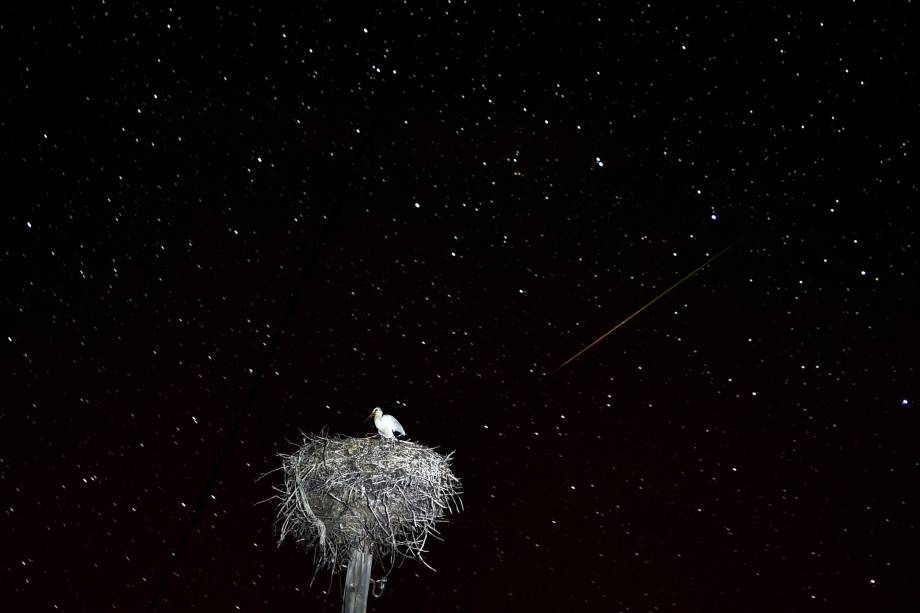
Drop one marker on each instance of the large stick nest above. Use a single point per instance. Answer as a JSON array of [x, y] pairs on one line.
[[385, 497]]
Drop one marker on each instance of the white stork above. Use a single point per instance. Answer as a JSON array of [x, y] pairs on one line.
[[387, 425]]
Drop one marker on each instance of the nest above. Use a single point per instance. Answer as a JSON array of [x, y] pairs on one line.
[[383, 497]]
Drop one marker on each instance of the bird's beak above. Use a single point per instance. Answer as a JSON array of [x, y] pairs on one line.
[[369, 416]]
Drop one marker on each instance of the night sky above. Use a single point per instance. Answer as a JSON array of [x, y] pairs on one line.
[[225, 226]]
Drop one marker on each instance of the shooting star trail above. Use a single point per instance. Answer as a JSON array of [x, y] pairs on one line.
[[647, 305]]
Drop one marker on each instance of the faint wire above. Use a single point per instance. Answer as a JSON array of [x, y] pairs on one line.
[[642, 308]]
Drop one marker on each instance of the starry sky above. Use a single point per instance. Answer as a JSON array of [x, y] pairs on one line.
[[225, 226]]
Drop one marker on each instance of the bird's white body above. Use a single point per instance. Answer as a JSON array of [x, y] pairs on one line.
[[387, 425]]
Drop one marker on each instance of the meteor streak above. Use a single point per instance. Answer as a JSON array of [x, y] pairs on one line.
[[647, 305]]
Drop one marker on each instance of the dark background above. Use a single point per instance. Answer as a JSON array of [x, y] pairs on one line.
[[224, 226]]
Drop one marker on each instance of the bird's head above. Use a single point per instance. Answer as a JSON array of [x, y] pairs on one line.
[[375, 413]]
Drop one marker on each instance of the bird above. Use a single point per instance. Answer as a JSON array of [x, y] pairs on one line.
[[387, 425]]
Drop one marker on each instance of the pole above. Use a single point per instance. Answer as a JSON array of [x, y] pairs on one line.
[[357, 581]]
